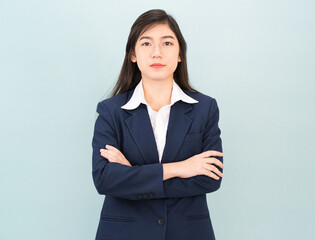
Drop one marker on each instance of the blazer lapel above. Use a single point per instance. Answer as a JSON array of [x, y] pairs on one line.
[[140, 127], [178, 126]]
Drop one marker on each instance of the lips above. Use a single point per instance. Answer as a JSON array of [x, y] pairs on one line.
[[157, 65]]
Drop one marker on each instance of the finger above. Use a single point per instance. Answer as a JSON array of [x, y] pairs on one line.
[[210, 153], [113, 153], [108, 152], [109, 147], [113, 156], [103, 152], [118, 153], [108, 155], [212, 168], [215, 161], [211, 174]]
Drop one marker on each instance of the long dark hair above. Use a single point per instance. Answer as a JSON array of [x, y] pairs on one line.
[[130, 74]]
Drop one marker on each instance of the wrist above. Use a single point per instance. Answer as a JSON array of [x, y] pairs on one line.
[[171, 170]]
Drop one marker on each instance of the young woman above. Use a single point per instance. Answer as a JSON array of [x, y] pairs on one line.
[[157, 149]]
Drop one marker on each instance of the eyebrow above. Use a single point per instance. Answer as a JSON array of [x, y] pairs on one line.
[[146, 37]]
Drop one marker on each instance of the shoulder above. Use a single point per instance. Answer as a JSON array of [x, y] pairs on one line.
[[114, 103], [203, 99], [207, 105], [198, 95]]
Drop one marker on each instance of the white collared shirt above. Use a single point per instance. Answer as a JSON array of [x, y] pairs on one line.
[[159, 120]]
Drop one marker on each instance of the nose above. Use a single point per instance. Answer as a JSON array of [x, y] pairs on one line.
[[156, 51]]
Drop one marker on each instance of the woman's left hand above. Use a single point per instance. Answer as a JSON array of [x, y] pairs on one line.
[[112, 154]]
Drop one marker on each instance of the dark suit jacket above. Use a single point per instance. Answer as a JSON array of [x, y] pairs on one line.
[[139, 205]]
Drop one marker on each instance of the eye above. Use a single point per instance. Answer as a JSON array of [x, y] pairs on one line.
[[145, 44], [169, 43]]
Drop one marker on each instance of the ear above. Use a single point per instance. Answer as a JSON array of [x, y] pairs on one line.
[[179, 59], [133, 58]]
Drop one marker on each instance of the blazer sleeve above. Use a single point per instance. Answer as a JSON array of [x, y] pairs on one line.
[[201, 184], [118, 180]]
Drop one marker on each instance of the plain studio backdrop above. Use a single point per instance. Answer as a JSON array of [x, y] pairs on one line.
[[58, 59]]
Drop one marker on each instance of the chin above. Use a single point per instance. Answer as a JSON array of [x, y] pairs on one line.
[[157, 77]]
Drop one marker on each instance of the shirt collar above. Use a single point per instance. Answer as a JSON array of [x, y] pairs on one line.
[[138, 96]]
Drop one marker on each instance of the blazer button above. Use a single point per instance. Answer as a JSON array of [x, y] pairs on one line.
[[161, 221], [139, 196]]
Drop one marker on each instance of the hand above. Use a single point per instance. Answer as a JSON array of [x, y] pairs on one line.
[[112, 154], [202, 164]]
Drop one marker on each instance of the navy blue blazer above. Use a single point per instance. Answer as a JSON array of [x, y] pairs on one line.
[[139, 205]]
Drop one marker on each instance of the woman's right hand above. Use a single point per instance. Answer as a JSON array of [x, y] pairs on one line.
[[201, 164]]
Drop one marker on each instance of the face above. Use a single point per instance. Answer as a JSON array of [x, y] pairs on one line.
[[157, 45]]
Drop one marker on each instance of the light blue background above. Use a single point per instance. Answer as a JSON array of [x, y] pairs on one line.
[[59, 58]]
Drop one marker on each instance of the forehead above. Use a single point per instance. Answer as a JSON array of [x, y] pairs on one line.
[[158, 30]]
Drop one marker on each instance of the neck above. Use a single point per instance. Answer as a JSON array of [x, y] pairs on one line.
[[157, 92]]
